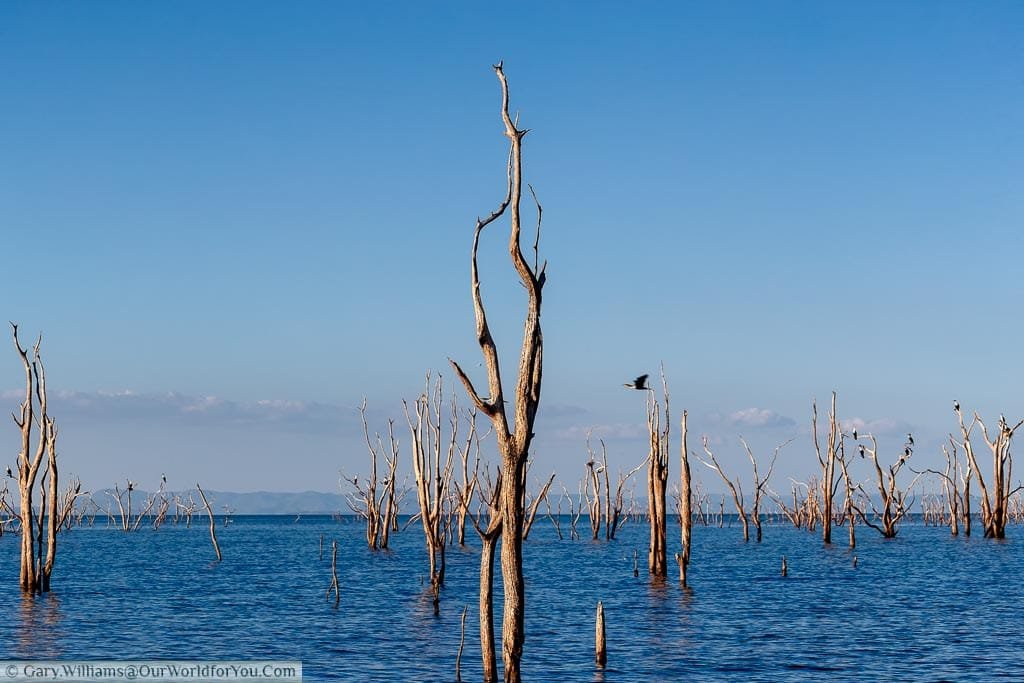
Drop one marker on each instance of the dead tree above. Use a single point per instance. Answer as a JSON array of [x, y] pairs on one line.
[[35, 571], [827, 459], [849, 504], [514, 438], [213, 524], [657, 479], [575, 510], [995, 502], [954, 499], [432, 463], [592, 483], [532, 505], [760, 485], [895, 502], [467, 486], [685, 516], [735, 488], [614, 506], [376, 508]]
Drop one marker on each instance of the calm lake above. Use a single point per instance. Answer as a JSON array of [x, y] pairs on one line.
[[922, 607]]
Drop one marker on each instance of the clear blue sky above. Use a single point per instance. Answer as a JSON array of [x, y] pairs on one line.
[[232, 221]]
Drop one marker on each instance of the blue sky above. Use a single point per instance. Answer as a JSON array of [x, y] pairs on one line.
[[233, 221]]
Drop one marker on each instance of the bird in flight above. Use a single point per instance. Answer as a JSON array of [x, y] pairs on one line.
[[640, 383]]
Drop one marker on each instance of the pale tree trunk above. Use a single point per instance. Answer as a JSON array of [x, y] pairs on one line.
[[827, 461], [513, 439], [657, 479], [685, 516], [995, 503], [433, 472], [34, 573], [489, 531]]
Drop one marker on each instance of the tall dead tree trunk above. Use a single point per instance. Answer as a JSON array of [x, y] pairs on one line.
[[34, 573], [685, 516], [827, 460], [657, 480], [592, 482], [513, 439]]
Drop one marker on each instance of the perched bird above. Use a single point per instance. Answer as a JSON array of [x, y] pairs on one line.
[[906, 451], [956, 406], [860, 449], [9, 473], [910, 439], [854, 434], [640, 383]]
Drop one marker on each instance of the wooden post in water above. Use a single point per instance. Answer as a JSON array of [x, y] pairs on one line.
[[600, 653]]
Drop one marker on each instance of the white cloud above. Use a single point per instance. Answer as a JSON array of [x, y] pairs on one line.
[[753, 418], [622, 430], [878, 427], [185, 410]]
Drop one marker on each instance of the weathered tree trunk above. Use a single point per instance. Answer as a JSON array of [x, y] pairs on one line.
[[657, 479], [827, 461], [34, 573], [685, 516], [513, 440], [995, 505]]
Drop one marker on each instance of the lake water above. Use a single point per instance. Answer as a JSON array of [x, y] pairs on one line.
[[922, 607]]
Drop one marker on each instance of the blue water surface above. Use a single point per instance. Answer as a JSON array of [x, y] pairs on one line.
[[922, 607]]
